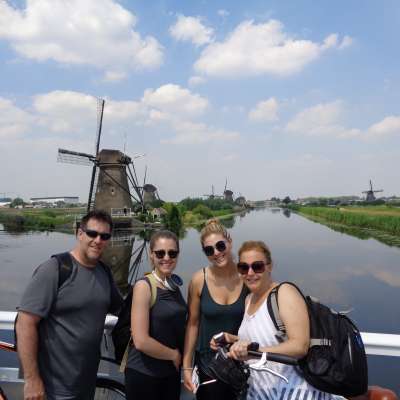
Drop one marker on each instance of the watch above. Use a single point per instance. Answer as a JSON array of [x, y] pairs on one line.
[[253, 346]]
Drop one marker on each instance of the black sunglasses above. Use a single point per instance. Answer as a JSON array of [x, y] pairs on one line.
[[257, 266], [160, 254], [93, 234], [209, 250]]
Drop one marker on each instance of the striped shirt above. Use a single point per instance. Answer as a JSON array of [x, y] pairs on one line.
[[264, 385]]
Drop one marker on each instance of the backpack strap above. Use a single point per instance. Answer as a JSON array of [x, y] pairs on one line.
[[64, 267], [273, 310]]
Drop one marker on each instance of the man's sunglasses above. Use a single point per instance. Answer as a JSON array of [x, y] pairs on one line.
[[258, 267], [209, 250], [160, 254], [93, 234]]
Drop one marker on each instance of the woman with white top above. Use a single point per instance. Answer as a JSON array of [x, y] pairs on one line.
[[255, 266]]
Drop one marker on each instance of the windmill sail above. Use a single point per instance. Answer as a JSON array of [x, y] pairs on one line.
[[74, 157]]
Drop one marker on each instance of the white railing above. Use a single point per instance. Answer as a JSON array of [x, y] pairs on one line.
[[382, 344]]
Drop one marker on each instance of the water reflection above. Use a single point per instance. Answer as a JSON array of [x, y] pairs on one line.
[[286, 212]]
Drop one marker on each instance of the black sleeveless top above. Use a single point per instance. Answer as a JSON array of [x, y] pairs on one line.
[[167, 325], [215, 318]]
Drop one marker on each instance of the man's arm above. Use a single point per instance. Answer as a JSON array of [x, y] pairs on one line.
[[27, 346]]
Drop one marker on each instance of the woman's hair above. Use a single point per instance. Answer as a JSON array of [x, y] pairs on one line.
[[256, 245], [213, 226], [164, 234]]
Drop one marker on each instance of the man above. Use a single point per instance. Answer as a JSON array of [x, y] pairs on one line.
[[59, 328]]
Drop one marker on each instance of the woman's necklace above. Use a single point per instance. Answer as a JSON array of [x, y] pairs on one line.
[[163, 282]]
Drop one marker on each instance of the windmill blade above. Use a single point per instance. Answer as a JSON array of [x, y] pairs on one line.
[[100, 112], [145, 174], [370, 183], [74, 157], [226, 184], [92, 180]]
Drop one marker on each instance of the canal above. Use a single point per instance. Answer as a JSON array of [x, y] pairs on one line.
[[343, 271]]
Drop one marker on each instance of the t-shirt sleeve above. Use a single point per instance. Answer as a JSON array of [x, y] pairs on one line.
[[41, 291]]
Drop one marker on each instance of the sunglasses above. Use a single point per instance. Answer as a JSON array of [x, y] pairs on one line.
[[258, 267], [93, 234], [209, 250], [160, 254]]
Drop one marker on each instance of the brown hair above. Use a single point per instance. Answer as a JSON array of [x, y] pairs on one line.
[[163, 234], [256, 245], [213, 226]]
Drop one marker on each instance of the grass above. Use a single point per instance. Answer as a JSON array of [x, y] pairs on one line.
[[41, 219], [373, 218]]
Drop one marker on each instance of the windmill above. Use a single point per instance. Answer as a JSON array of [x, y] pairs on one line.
[[212, 195], [228, 194], [113, 174], [240, 201], [149, 191], [370, 194]]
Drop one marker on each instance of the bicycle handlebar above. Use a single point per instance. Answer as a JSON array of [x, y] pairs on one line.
[[7, 346], [280, 358]]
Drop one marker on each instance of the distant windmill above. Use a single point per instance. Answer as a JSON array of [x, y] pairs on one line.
[[370, 194], [212, 195], [149, 191], [228, 194], [240, 201], [113, 174]]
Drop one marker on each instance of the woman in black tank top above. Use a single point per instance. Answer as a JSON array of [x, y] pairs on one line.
[[216, 304], [157, 326]]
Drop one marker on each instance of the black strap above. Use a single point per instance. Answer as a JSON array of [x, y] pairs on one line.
[[64, 267], [273, 309]]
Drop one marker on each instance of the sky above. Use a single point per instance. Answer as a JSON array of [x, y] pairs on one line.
[[297, 98]]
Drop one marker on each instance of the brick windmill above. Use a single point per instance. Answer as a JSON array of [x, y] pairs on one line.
[[114, 184], [370, 194]]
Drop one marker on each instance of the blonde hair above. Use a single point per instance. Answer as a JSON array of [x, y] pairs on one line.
[[256, 245], [213, 226]]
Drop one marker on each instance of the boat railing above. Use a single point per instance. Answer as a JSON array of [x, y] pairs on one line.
[[382, 344]]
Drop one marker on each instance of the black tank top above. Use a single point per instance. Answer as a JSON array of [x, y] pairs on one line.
[[167, 320], [215, 318]]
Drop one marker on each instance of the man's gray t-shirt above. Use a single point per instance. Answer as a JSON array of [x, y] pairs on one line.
[[71, 327]]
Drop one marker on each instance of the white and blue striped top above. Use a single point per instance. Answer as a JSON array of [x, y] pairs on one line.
[[264, 385]]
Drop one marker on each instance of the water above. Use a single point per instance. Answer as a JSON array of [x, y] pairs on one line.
[[343, 271]]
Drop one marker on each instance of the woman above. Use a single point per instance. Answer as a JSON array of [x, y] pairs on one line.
[[153, 368], [255, 266], [216, 303]]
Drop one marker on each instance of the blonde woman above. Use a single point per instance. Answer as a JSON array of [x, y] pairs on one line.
[[255, 267], [216, 303], [154, 361]]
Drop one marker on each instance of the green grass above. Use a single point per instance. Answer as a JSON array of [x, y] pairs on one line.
[[371, 218]]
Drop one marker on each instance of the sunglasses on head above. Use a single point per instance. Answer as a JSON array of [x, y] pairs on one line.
[[209, 250], [93, 234], [258, 267], [160, 254]]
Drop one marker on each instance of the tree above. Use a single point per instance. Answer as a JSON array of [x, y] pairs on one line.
[[17, 202], [286, 200]]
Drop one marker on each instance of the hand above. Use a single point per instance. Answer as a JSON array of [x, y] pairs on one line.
[[227, 338], [34, 389], [238, 350], [187, 380], [177, 359]]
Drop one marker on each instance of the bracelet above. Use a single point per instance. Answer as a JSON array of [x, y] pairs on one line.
[[187, 369]]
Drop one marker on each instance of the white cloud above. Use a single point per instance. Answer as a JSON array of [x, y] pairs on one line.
[[346, 42], [191, 29], [74, 32], [321, 120], [266, 110], [223, 13], [388, 126], [176, 100], [188, 132], [256, 49], [13, 120], [196, 80]]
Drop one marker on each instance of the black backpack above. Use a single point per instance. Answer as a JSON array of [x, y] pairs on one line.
[[121, 333], [336, 361]]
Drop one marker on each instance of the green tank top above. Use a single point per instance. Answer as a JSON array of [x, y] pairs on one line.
[[215, 318]]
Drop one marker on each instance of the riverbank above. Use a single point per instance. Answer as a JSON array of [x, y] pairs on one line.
[[381, 222], [40, 219]]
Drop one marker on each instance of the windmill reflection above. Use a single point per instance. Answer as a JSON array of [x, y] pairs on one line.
[[125, 256]]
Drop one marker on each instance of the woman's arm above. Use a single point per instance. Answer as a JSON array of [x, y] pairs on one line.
[[294, 315], [192, 327], [140, 327]]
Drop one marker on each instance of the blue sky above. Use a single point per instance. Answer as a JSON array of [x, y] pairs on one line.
[[282, 98]]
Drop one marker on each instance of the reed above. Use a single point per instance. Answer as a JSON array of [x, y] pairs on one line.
[[384, 223]]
